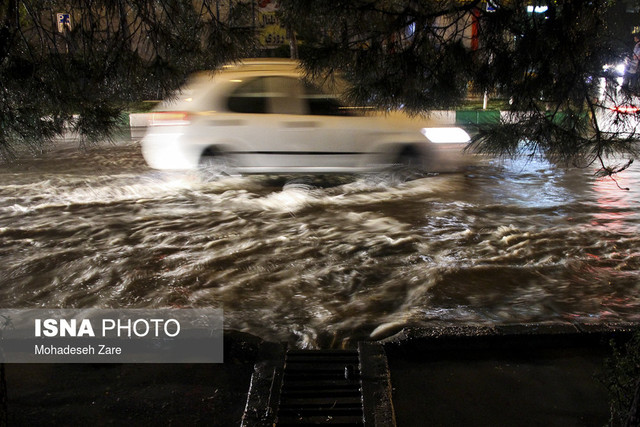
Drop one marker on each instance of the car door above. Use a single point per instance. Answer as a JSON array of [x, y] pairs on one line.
[[295, 130], [343, 135], [254, 138], [316, 132], [291, 126], [273, 124]]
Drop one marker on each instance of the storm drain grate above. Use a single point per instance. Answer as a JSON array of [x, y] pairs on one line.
[[320, 387]]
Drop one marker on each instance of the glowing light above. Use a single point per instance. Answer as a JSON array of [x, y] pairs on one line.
[[537, 9], [446, 135]]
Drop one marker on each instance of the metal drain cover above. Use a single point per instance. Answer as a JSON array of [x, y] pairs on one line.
[[320, 387]]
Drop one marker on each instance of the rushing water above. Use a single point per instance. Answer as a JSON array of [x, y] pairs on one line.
[[321, 261]]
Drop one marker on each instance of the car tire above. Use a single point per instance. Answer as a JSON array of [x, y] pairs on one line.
[[409, 163], [214, 163]]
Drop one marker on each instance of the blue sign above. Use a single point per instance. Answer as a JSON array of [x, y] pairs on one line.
[[64, 22]]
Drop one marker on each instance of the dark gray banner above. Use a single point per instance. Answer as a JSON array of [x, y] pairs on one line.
[[111, 336]]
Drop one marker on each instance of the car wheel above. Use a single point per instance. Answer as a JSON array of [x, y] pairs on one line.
[[409, 163], [214, 163]]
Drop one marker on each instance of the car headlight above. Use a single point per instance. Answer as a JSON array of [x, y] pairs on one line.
[[446, 135]]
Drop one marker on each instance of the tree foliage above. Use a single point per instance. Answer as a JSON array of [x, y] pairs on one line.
[[622, 379], [418, 55], [114, 52], [428, 54]]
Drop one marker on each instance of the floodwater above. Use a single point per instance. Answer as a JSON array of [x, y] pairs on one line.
[[321, 261]]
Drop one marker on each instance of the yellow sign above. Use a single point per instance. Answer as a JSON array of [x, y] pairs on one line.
[[272, 34]]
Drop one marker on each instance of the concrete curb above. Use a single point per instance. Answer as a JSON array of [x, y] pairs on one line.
[[516, 336]]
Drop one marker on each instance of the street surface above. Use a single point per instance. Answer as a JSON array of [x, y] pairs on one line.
[[321, 261]]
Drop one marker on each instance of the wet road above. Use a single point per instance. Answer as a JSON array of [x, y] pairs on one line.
[[321, 261]]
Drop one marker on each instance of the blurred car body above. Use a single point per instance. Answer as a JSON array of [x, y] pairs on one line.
[[263, 116]]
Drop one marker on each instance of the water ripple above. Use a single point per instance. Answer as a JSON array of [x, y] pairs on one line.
[[321, 261]]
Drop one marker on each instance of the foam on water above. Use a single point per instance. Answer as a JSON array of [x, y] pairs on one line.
[[317, 261]]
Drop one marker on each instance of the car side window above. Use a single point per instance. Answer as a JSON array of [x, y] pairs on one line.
[[266, 95], [323, 104], [284, 95], [250, 97]]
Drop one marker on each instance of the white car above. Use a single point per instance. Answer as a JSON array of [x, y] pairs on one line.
[[263, 116]]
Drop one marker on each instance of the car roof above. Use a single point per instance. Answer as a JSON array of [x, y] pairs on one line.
[[263, 64], [195, 94]]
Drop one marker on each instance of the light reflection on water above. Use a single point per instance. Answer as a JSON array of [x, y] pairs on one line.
[[321, 261]]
